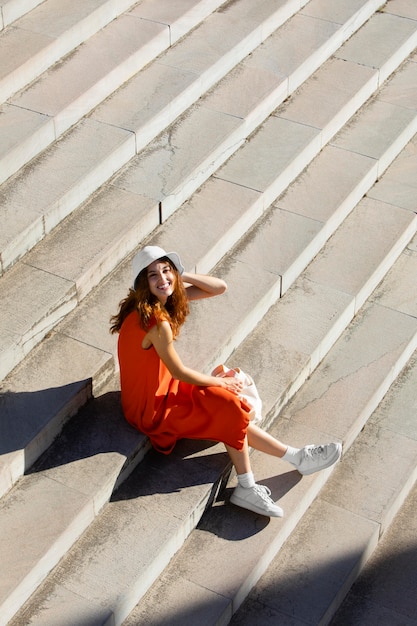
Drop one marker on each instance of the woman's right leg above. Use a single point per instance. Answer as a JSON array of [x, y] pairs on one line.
[[248, 494], [240, 458]]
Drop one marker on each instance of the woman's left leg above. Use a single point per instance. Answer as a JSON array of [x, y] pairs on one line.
[[240, 458], [307, 460], [264, 442]]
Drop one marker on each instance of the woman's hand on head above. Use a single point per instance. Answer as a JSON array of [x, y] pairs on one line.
[[200, 286]]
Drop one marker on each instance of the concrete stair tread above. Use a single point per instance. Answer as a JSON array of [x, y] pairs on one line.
[[77, 475], [220, 55], [45, 391], [327, 310], [41, 37], [113, 292], [55, 297], [24, 231], [296, 210], [249, 266], [370, 132], [223, 558], [165, 184], [384, 589], [16, 242], [389, 120], [172, 519], [11, 10], [62, 95], [155, 173], [405, 8], [59, 183], [65, 93], [105, 476], [280, 44], [328, 301], [75, 332], [173, 59], [81, 577], [372, 50], [342, 528], [90, 458], [102, 231], [124, 190]]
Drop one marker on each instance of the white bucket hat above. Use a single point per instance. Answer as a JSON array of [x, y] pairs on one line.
[[148, 255]]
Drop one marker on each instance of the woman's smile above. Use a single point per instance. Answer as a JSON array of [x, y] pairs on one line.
[[165, 287], [161, 280]]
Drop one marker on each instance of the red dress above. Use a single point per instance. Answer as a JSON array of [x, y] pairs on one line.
[[166, 409]]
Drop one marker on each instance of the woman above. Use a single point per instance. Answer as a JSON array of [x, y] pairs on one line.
[[168, 401]]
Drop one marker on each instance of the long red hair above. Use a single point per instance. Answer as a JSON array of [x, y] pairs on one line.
[[147, 305]]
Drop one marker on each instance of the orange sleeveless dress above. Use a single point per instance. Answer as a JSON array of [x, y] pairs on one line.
[[166, 409]]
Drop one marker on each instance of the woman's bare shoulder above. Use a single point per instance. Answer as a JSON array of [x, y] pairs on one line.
[[160, 331]]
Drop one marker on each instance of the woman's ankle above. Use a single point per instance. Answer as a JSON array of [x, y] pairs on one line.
[[246, 480]]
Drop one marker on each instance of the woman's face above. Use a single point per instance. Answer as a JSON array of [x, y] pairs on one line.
[[161, 280]]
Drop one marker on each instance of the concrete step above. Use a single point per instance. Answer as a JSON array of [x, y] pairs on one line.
[[38, 179], [332, 289], [27, 228], [42, 395], [298, 569], [11, 10], [310, 210], [77, 358], [103, 243], [384, 590], [109, 569], [40, 38], [169, 171], [62, 95], [325, 554]]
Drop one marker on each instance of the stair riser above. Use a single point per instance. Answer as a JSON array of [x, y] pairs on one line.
[[287, 279], [14, 9], [112, 81], [15, 354], [58, 48], [119, 607], [176, 198]]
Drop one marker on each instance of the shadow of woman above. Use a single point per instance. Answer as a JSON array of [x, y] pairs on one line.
[[98, 447]]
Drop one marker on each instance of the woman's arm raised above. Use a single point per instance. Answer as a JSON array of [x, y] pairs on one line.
[[162, 340], [203, 286]]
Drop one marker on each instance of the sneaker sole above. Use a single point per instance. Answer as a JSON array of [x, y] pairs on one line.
[[329, 463]]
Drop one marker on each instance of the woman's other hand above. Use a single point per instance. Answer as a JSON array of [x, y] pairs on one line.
[[232, 384]]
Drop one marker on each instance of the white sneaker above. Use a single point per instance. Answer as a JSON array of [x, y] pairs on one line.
[[316, 458], [256, 499]]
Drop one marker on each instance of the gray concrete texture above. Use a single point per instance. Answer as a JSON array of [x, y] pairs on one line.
[[230, 124]]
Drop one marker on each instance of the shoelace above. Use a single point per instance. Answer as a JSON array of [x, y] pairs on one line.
[[264, 492], [311, 452]]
